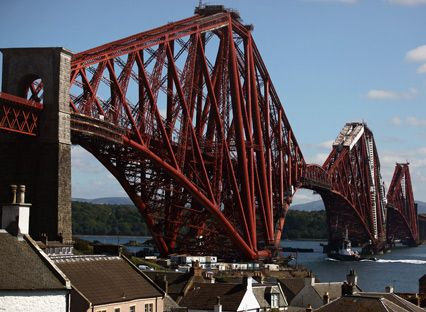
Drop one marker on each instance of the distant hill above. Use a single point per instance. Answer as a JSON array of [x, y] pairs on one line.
[[319, 205], [311, 206], [106, 200], [421, 207]]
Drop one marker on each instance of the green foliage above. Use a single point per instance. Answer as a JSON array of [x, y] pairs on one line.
[[305, 225], [82, 246], [98, 219]]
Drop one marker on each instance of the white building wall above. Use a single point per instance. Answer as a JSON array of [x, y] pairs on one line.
[[33, 301]]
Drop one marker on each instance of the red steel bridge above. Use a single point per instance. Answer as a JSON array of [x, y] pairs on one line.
[[187, 119]]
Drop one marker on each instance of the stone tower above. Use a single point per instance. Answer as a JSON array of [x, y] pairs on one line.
[[42, 163]]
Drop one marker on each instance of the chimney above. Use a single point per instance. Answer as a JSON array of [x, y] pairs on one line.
[[248, 282], [389, 289], [196, 270], [217, 307], [15, 217], [310, 279], [326, 298], [44, 239], [165, 284], [422, 284], [352, 278], [418, 300], [309, 308], [347, 289]]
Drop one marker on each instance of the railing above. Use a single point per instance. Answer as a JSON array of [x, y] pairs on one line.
[[18, 114], [315, 177]]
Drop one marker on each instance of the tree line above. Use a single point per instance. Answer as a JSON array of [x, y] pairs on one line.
[[102, 219]]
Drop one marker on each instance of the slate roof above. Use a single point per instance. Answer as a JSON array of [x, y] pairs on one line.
[[334, 289], [23, 267], [177, 281], [204, 296], [408, 306], [362, 304], [291, 287], [105, 279], [261, 291]]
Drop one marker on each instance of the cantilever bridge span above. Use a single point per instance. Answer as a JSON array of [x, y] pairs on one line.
[[187, 119]]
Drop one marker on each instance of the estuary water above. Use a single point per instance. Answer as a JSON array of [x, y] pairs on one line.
[[401, 267]]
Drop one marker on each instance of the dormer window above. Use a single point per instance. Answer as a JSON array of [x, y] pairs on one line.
[[275, 301]]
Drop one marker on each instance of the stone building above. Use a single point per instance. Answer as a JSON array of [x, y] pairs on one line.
[[103, 283]]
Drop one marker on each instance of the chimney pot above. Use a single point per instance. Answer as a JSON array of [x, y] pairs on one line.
[[326, 298], [13, 188], [21, 194], [389, 289]]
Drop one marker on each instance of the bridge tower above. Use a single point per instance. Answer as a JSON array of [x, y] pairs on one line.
[[42, 163]]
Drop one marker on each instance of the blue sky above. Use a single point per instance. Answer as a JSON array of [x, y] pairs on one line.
[[331, 61]]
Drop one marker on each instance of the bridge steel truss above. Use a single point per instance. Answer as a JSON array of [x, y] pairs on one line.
[[19, 115], [200, 141], [356, 202], [402, 219], [186, 118]]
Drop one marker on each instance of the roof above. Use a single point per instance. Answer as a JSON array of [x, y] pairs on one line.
[[177, 281], [105, 279], [204, 296], [394, 298], [23, 266], [169, 303], [292, 286], [362, 304], [262, 291], [334, 289]]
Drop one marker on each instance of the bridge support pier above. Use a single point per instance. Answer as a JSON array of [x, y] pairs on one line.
[[42, 163]]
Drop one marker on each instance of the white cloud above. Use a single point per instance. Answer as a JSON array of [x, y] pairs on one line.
[[326, 144], [422, 69], [396, 121], [408, 121], [377, 94], [416, 122], [335, 1], [408, 2], [417, 55]]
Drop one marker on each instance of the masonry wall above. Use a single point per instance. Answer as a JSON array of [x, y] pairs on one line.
[[139, 304], [42, 163], [34, 301]]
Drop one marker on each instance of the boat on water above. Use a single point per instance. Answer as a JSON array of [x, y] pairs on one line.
[[345, 252]]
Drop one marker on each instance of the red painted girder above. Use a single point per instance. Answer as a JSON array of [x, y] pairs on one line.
[[18, 114], [149, 38]]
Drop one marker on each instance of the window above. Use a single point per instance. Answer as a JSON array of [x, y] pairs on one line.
[[132, 309], [117, 310], [274, 301], [149, 307]]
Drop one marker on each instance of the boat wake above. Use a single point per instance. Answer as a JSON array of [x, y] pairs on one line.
[[331, 259], [407, 261]]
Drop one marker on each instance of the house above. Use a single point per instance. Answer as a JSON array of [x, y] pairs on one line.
[[315, 293], [177, 284], [29, 280], [366, 302], [269, 296], [104, 283], [221, 297]]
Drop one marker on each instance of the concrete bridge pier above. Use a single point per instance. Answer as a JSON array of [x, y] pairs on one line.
[[42, 163]]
